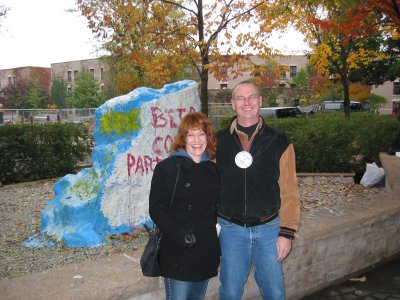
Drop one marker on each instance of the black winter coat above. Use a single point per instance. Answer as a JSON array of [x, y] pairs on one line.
[[193, 210]]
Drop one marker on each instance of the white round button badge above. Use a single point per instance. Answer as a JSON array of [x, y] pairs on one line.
[[243, 159]]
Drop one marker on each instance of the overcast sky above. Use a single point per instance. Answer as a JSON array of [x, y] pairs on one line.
[[41, 32]]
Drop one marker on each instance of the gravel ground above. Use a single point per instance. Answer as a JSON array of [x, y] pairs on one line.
[[21, 206]]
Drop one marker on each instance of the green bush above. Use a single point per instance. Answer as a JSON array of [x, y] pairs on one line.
[[31, 152], [333, 143]]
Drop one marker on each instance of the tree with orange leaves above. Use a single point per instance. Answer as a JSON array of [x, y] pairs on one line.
[[342, 43], [151, 41], [344, 35], [387, 14]]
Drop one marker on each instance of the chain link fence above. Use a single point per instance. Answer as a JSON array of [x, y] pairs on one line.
[[73, 115], [216, 112]]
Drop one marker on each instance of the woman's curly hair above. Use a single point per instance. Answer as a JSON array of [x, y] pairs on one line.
[[195, 120]]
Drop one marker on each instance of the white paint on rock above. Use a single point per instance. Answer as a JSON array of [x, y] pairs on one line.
[[125, 198]]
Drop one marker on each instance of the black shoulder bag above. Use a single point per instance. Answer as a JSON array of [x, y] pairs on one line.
[[149, 260]]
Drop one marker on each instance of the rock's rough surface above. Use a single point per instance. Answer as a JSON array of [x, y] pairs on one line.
[[132, 133]]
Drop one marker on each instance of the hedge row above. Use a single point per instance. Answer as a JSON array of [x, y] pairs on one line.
[[31, 152], [333, 143], [323, 143]]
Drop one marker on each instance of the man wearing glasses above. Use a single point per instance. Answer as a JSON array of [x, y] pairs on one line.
[[259, 207]]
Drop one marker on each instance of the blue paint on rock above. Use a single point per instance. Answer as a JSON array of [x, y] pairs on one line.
[[74, 215]]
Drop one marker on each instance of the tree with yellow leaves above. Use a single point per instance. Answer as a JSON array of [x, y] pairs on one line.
[[344, 36], [387, 14], [151, 41]]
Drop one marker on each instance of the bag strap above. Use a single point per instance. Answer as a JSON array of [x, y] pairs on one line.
[[178, 165]]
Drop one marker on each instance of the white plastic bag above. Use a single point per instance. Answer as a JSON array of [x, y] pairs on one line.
[[373, 175]]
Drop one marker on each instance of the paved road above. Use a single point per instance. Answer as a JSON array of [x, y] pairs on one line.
[[382, 282]]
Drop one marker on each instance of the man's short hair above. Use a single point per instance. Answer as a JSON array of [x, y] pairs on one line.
[[246, 82]]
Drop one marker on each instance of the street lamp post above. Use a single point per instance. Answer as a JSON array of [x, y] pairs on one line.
[[331, 78]]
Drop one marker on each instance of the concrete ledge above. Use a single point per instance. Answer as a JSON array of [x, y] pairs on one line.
[[326, 174], [332, 247], [329, 247], [391, 165]]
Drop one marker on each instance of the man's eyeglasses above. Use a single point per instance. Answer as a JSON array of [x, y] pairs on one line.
[[251, 98]]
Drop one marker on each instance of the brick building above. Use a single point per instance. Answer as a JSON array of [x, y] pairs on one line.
[[42, 75]]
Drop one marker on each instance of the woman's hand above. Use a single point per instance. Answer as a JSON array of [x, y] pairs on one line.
[[190, 240]]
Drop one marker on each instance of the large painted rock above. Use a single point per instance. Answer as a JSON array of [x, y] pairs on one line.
[[132, 134]]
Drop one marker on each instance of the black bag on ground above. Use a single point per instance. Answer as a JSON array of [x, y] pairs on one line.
[[149, 260]]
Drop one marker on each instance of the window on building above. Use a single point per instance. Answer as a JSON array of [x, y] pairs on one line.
[[293, 71], [283, 72], [223, 69], [223, 86], [69, 76], [11, 79], [92, 72], [101, 73], [396, 88], [75, 74]]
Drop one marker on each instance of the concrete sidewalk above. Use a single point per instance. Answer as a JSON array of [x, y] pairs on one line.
[[115, 277]]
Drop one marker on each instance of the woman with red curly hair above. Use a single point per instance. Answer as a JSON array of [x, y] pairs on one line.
[[189, 251]]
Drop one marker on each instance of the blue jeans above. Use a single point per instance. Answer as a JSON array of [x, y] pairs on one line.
[[184, 290], [242, 246]]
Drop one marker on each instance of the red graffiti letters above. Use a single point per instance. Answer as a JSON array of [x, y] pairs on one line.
[[170, 117], [141, 164], [160, 144]]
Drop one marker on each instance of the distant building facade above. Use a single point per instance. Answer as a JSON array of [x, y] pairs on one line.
[[40, 74], [292, 65], [391, 91], [69, 71]]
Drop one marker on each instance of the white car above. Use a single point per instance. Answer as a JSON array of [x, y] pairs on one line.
[[334, 106], [280, 112]]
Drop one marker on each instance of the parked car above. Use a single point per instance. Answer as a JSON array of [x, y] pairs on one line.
[[335, 106], [280, 112], [46, 117]]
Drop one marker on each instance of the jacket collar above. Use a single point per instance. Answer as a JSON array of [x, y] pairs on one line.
[[183, 153], [233, 126], [245, 141]]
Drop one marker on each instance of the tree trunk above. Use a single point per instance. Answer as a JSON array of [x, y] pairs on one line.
[[346, 93], [204, 60], [204, 91]]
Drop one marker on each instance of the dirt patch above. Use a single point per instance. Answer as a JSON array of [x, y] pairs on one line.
[[21, 206]]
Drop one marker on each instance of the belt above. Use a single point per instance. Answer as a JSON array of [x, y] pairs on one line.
[[260, 221]]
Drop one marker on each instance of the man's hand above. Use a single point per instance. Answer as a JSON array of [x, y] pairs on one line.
[[284, 246]]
